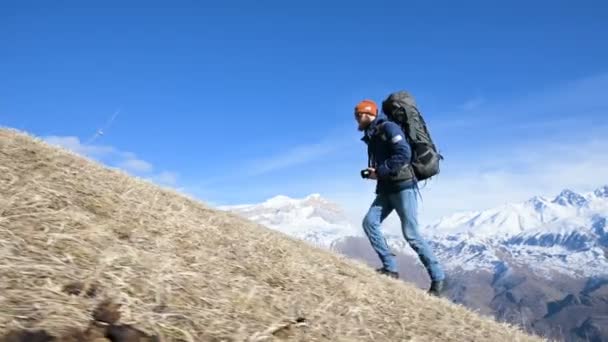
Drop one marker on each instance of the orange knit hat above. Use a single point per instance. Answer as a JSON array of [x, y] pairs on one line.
[[367, 106]]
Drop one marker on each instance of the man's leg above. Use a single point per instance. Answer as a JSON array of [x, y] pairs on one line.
[[406, 205], [377, 212]]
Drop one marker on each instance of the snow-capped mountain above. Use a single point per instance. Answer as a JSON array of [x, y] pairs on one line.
[[601, 192], [516, 218], [313, 218], [566, 234]]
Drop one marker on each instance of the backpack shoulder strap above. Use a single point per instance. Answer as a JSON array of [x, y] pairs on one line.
[[380, 128]]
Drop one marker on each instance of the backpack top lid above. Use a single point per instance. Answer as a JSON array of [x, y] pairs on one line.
[[397, 100]]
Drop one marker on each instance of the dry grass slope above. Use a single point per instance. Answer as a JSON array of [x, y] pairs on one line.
[[76, 236]]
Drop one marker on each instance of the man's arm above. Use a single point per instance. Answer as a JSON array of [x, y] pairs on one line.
[[400, 152]]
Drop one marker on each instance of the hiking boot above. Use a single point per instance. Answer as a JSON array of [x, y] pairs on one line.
[[388, 273], [437, 287]]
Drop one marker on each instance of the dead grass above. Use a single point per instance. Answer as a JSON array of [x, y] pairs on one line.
[[76, 236]]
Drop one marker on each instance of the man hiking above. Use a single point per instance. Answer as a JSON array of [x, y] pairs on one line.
[[389, 157]]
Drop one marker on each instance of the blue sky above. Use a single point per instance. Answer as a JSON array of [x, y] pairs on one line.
[[238, 101]]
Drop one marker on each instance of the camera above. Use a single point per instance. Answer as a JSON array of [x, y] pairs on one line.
[[365, 173]]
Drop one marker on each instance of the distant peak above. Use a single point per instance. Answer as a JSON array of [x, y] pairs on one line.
[[282, 200], [278, 200], [568, 197], [537, 199], [279, 197], [538, 202], [601, 192]]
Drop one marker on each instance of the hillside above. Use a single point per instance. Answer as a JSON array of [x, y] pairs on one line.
[[80, 242]]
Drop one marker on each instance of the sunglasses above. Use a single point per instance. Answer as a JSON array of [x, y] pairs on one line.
[[359, 114]]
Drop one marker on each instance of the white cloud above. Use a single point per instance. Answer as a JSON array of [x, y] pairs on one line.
[[127, 161], [136, 165], [336, 141], [74, 144], [166, 178], [562, 105], [294, 156], [314, 154], [541, 170]]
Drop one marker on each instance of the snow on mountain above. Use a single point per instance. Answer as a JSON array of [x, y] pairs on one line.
[[576, 247], [515, 218], [601, 192], [570, 198], [575, 233], [313, 218], [566, 234]]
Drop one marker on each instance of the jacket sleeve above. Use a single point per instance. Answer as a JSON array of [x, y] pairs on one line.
[[399, 151]]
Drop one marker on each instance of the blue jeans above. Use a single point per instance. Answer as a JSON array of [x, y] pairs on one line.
[[406, 205]]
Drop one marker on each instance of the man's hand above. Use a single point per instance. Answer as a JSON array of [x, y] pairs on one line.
[[372, 173]]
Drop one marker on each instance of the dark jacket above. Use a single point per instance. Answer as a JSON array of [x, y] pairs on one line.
[[388, 151]]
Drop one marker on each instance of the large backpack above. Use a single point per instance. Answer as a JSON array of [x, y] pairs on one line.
[[400, 107]]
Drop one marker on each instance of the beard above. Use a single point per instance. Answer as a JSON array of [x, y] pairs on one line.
[[363, 125]]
